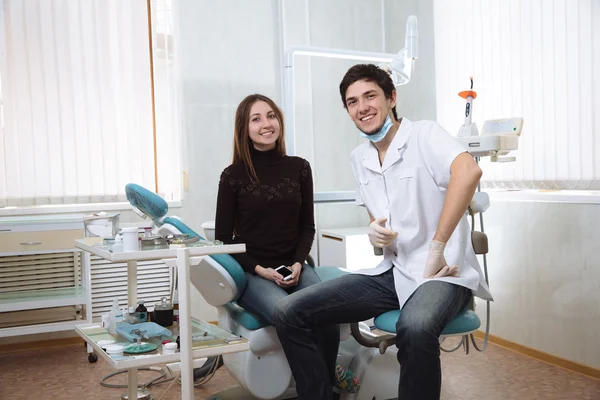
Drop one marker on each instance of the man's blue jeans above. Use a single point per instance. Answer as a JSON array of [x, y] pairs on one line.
[[355, 298], [261, 297]]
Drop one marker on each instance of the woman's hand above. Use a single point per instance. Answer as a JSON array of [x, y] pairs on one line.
[[268, 274], [296, 271]]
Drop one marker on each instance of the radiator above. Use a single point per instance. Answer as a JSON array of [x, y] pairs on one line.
[[109, 281]]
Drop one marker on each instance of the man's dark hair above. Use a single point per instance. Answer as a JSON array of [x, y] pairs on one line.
[[369, 72]]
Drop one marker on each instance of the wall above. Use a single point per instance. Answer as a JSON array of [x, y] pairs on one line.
[[544, 271]]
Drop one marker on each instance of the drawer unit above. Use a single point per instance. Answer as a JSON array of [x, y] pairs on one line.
[[13, 242]]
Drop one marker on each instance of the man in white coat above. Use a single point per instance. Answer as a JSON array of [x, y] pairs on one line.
[[416, 183]]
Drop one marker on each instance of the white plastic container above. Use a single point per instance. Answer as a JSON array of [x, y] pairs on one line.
[[105, 321], [114, 317], [105, 343], [130, 239], [170, 348], [118, 245], [114, 350], [209, 230], [132, 317]]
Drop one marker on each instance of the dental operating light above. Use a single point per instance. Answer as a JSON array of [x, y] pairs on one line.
[[399, 66]]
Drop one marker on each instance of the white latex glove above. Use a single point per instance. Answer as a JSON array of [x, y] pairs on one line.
[[436, 266], [379, 235]]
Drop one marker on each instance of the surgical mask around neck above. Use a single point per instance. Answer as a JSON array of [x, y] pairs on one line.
[[379, 135]]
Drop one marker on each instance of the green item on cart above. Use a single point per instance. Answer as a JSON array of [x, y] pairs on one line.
[[139, 348]]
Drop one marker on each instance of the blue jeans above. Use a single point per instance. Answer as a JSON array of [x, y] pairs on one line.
[[260, 298], [355, 298]]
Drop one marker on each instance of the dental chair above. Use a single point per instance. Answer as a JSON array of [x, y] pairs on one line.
[[375, 362], [263, 371]]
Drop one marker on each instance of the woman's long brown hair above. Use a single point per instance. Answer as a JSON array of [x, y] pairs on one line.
[[241, 135]]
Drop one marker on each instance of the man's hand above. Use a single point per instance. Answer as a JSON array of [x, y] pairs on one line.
[[296, 271], [379, 235], [269, 274], [436, 266]]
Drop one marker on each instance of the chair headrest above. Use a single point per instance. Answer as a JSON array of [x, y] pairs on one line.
[[149, 203]]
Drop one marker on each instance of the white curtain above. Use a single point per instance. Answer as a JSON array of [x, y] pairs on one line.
[[76, 102], [166, 94], [536, 59]]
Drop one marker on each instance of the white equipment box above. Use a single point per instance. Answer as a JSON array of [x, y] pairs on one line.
[[347, 248], [498, 138]]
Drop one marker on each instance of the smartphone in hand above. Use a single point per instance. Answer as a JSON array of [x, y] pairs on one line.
[[285, 272]]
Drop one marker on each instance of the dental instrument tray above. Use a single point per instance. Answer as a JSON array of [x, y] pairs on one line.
[[145, 330], [157, 240]]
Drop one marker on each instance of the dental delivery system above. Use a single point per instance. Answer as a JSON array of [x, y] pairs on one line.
[[498, 137]]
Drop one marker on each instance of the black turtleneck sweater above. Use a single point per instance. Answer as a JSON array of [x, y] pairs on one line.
[[273, 217]]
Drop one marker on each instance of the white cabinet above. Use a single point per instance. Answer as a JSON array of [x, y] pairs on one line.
[[44, 283], [346, 248]]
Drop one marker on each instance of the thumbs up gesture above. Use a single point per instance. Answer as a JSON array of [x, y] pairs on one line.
[[379, 235]]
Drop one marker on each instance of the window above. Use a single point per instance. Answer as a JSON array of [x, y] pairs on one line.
[[533, 59], [79, 120]]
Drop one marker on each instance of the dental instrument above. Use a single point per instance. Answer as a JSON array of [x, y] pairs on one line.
[[469, 128], [498, 137]]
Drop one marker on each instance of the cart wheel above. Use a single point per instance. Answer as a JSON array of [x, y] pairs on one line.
[[92, 357]]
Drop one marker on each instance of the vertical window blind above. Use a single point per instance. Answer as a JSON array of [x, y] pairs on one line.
[[533, 59], [78, 120]]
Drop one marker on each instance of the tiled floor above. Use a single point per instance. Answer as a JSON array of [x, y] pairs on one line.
[[65, 374]]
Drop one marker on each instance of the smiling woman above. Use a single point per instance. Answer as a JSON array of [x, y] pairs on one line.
[[265, 200], [264, 126], [265, 196], [257, 115]]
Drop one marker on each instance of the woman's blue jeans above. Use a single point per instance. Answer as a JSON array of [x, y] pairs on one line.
[[260, 298]]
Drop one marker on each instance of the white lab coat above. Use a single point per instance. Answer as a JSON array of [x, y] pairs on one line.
[[409, 190]]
